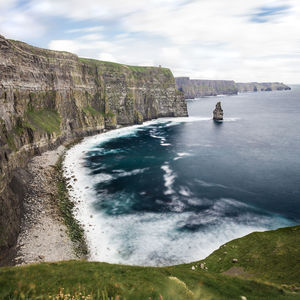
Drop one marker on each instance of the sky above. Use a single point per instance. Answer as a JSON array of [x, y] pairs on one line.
[[253, 40]]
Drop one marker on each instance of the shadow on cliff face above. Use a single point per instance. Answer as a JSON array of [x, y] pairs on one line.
[[13, 201]]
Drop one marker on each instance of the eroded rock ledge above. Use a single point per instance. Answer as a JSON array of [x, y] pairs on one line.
[[48, 97]]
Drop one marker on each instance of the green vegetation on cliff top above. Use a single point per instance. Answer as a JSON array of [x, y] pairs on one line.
[[135, 69], [272, 256], [54, 54], [267, 267]]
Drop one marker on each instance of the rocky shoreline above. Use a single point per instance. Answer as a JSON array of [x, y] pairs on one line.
[[44, 235], [49, 97]]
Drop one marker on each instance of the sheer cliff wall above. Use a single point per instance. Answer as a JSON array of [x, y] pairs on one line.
[[48, 97], [261, 86], [196, 88]]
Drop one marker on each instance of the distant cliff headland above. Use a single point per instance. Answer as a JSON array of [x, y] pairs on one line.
[[196, 88], [261, 86], [49, 97]]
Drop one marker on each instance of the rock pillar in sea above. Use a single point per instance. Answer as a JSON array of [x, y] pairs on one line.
[[218, 112]]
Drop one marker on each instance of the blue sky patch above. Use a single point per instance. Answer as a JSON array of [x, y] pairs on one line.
[[268, 13]]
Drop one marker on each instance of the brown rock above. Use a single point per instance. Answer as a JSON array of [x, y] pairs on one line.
[[218, 112]]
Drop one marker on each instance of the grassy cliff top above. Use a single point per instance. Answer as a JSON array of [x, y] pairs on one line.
[[47, 53], [263, 265], [127, 68], [54, 54], [271, 256]]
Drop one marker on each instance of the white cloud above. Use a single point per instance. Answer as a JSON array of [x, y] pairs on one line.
[[86, 29], [214, 39], [65, 45], [91, 9], [106, 57], [20, 25], [5, 4]]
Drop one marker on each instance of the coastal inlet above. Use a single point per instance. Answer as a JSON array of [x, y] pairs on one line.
[[173, 190]]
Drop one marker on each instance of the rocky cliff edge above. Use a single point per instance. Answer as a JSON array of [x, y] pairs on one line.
[[48, 97]]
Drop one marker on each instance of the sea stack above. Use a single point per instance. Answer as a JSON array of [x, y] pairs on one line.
[[218, 112]]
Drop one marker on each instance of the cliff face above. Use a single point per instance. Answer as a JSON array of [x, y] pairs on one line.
[[47, 97], [261, 87], [193, 88]]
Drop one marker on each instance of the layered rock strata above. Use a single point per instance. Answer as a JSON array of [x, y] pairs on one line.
[[48, 97], [261, 86], [196, 88]]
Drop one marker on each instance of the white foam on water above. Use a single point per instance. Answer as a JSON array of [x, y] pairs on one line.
[[231, 119], [132, 173], [169, 178], [181, 155], [152, 238], [185, 191], [210, 184]]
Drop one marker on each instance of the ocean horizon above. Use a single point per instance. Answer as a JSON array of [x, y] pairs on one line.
[[173, 190]]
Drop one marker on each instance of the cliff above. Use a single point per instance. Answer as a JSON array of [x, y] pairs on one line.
[[261, 87], [48, 97], [196, 88]]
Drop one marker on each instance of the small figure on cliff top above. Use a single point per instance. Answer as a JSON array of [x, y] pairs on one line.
[[218, 112]]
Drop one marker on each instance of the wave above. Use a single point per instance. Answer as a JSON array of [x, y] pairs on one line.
[[182, 155], [210, 184], [188, 229], [166, 238], [169, 178]]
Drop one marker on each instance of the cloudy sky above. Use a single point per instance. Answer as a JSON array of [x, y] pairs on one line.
[[243, 40]]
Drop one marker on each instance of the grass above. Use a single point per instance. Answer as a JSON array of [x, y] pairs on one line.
[[91, 111], [138, 69], [93, 61], [11, 143], [109, 114], [45, 120], [97, 280], [66, 206], [119, 67], [272, 256], [129, 282]]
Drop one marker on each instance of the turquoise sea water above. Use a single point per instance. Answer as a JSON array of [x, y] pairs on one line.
[[172, 191]]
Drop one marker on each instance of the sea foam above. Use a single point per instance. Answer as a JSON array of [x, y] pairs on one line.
[[155, 238]]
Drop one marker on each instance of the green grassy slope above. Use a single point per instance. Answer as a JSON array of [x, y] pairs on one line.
[[271, 256], [268, 268]]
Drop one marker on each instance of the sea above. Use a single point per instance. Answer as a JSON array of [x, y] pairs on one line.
[[173, 190]]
